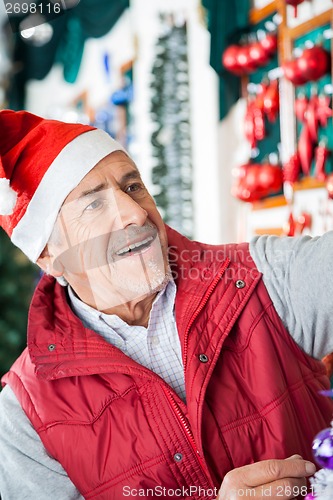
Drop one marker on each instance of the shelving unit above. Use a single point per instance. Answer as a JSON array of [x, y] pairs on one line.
[[289, 37]]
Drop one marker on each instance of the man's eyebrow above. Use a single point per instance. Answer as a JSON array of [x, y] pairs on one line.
[[133, 174], [92, 191]]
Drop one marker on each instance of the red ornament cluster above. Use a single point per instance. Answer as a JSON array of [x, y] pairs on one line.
[[256, 181], [265, 103], [314, 63], [312, 113], [244, 59]]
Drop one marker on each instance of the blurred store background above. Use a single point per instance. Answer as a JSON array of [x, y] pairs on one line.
[[224, 105]]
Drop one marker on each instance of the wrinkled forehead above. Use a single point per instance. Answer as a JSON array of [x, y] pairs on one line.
[[115, 165]]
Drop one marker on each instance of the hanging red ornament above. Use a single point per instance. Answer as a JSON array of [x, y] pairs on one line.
[[249, 125], [301, 104], [229, 60], [270, 178], [324, 111], [321, 155], [269, 43], [314, 63], [251, 180], [259, 100], [294, 3], [304, 221], [312, 117], [289, 227], [245, 187], [259, 124], [293, 73], [244, 60], [256, 181], [257, 54], [305, 150], [292, 169], [271, 101]]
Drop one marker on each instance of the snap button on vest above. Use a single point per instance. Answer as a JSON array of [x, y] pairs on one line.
[[203, 358], [178, 457], [51, 347], [240, 284]]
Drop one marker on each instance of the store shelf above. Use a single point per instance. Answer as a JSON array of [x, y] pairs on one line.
[[280, 201], [257, 15]]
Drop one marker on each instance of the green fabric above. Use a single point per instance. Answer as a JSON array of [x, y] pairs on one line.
[[227, 20], [90, 18], [70, 50], [97, 17]]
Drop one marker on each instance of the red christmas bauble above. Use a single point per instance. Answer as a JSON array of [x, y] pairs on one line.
[[269, 43], [258, 54], [229, 59], [244, 60], [294, 3], [270, 178], [293, 73], [314, 63], [256, 181]]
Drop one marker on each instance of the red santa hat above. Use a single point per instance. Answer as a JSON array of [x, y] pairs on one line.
[[41, 162]]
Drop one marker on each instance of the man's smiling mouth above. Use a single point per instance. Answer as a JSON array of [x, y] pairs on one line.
[[136, 247]]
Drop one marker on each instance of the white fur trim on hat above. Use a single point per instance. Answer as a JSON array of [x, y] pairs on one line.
[[75, 160], [8, 197]]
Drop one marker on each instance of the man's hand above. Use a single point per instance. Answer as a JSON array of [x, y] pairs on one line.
[[278, 479]]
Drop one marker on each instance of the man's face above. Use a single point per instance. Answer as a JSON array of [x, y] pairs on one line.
[[109, 240]]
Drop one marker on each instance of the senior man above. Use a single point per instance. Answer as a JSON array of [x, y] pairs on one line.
[[156, 366]]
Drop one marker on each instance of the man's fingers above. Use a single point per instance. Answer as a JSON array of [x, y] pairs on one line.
[[289, 487], [282, 479], [294, 456], [269, 471], [283, 489]]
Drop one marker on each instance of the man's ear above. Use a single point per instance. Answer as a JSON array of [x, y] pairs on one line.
[[45, 261]]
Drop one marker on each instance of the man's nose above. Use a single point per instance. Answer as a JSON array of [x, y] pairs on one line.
[[128, 211]]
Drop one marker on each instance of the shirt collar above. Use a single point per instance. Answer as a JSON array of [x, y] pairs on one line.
[[92, 318]]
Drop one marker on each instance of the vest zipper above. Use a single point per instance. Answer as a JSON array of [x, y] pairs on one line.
[[202, 305], [187, 429]]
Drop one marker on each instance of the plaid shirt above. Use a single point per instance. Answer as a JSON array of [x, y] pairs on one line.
[[156, 347]]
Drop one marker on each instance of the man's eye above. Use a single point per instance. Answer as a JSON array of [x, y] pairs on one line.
[[93, 206], [133, 187]]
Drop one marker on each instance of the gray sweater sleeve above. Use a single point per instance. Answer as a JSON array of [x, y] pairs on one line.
[[26, 470], [298, 274]]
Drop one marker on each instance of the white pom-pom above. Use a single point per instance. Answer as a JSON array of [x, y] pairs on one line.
[[8, 197]]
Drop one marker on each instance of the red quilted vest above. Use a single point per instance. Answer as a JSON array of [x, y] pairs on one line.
[[252, 393]]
